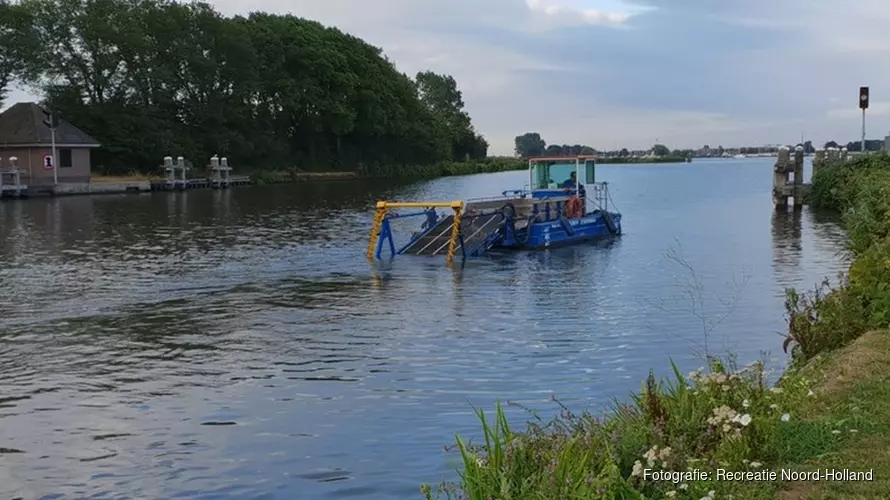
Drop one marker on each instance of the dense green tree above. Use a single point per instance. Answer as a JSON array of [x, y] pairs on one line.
[[660, 150], [529, 144], [150, 78], [17, 44], [441, 96]]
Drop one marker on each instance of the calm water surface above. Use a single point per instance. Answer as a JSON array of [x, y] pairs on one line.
[[237, 344]]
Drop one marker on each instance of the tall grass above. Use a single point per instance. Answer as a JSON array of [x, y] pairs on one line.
[[727, 418]]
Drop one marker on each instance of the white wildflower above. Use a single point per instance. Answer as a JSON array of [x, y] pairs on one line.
[[786, 417], [726, 427], [756, 465], [671, 494], [720, 378], [638, 469], [725, 388], [777, 390], [665, 453], [652, 455], [684, 486], [746, 403], [774, 406], [853, 430], [811, 393], [745, 420], [835, 431]]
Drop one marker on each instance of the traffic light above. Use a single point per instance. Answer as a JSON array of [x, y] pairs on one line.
[[863, 97], [52, 119]]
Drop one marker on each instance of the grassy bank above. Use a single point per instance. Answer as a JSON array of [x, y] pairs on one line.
[[830, 409], [134, 177], [445, 169], [487, 165]]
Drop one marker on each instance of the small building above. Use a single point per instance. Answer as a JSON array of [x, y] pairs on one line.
[[24, 134]]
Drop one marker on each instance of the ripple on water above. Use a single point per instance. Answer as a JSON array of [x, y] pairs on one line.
[[236, 344]]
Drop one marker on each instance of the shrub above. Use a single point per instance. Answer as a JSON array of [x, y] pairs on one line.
[[822, 320], [825, 319]]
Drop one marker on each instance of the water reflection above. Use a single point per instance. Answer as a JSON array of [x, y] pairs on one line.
[[787, 248]]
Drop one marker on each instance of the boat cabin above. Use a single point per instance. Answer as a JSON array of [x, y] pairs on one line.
[[559, 175], [553, 184]]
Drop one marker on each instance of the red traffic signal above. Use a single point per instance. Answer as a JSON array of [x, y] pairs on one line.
[[863, 97]]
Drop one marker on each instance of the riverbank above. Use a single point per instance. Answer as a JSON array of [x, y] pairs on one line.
[[728, 426], [490, 164], [641, 159]]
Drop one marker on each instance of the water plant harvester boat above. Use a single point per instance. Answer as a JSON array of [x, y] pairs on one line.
[[555, 209]]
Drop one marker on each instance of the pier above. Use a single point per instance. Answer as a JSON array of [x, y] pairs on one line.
[[11, 179], [176, 176], [176, 179], [788, 177]]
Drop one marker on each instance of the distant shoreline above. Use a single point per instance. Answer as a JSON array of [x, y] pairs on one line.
[[490, 164]]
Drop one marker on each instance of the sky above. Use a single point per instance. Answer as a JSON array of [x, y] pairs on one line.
[[630, 73]]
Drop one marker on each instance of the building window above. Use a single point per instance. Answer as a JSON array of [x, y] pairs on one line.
[[65, 160]]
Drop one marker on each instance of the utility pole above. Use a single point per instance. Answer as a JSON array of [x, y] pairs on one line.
[[863, 105], [52, 121]]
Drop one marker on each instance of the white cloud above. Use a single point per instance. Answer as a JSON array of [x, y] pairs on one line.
[[623, 72], [563, 14]]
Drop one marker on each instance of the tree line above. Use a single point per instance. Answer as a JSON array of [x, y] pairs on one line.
[[150, 78], [870, 145], [531, 144]]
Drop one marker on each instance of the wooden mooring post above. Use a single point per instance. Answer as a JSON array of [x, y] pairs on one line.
[[784, 186], [788, 181], [824, 156]]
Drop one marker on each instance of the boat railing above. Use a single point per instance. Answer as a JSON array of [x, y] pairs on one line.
[[509, 194], [601, 196]]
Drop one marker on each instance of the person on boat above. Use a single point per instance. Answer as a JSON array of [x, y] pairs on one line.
[[571, 182]]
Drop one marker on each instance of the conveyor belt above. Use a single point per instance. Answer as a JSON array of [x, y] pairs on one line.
[[475, 231]]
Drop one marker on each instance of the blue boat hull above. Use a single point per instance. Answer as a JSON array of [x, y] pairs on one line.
[[562, 232]]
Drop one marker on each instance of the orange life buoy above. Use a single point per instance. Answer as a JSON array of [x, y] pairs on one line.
[[573, 207]]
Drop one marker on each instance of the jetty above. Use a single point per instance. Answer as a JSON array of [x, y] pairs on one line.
[[13, 180], [788, 176], [176, 176]]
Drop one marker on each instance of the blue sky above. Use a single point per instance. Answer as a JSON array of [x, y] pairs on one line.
[[611, 73]]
